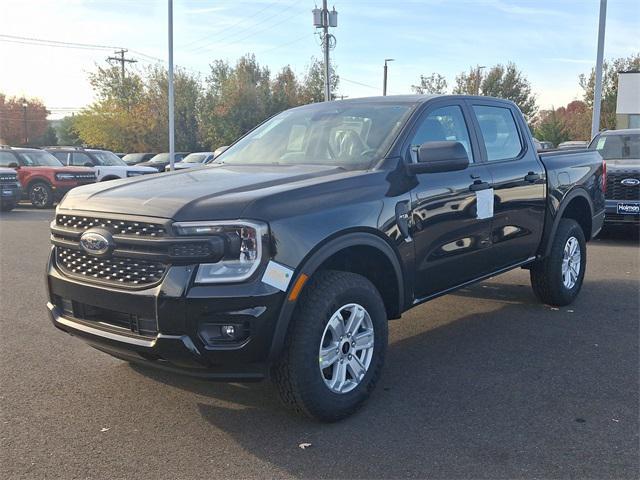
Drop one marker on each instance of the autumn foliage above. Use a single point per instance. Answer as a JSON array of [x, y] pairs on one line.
[[21, 120]]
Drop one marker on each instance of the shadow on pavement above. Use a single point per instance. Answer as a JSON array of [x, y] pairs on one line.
[[482, 397]]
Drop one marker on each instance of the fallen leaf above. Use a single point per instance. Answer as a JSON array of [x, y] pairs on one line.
[[570, 311], [554, 308], [105, 429], [304, 445], [615, 420]]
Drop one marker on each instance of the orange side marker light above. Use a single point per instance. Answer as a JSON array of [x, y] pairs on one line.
[[297, 287]]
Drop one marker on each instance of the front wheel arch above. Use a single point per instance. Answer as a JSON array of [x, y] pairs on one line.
[[315, 261]]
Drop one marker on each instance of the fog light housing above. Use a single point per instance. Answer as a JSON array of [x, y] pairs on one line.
[[216, 334]]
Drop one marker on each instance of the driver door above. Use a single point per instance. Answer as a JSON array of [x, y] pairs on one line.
[[451, 243]]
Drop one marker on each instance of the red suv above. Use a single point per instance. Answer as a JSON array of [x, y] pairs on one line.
[[43, 178]]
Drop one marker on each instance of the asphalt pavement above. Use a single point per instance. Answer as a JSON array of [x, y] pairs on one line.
[[483, 383]]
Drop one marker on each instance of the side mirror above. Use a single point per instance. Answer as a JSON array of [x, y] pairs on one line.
[[219, 150], [14, 165], [434, 157]]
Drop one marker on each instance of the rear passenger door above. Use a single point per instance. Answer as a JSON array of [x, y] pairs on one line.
[[519, 181]]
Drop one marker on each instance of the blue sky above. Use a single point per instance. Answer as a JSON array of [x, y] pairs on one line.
[[551, 41]]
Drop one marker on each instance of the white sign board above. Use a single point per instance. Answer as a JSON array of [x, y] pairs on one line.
[[628, 93]]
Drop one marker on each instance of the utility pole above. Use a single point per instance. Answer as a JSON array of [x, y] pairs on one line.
[[24, 120], [597, 93], [325, 19], [171, 124], [121, 59], [478, 73], [384, 81]]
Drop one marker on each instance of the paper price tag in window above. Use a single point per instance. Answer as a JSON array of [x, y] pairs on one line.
[[484, 203]]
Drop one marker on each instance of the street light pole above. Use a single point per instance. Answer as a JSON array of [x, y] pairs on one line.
[[597, 93], [478, 73], [384, 81], [24, 121], [171, 122]]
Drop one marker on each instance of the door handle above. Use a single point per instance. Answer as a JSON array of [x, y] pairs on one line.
[[531, 177], [479, 185]]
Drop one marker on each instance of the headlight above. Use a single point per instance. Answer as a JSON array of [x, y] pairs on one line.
[[134, 174], [243, 248], [65, 176]]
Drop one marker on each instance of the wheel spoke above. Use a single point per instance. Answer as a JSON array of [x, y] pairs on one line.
[[363, 340], [356, 368], [355, 320], [339, 376], [329, 355], [336, 326]]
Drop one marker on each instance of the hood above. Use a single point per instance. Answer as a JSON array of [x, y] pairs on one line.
[[213, 193], [631, 165], [140, 168]]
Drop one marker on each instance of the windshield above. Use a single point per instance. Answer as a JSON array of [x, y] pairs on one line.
[[618, 146], [108, 159], [195, 158], [39, 158], [160, 158], [348, 135]]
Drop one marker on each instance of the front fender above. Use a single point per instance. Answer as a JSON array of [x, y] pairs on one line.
[[316, 258]]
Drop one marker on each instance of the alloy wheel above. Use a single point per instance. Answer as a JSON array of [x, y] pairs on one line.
[[346, 348], [571, 259]]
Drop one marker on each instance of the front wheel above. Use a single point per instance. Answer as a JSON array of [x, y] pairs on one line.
[[557, 279], [335, 348], [41, 195]]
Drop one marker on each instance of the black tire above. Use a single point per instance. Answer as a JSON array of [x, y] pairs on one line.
[[297, 374], [546, 274], [41, 195]]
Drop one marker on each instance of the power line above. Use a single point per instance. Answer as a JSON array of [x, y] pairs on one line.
[[19, 39], [358, 83]]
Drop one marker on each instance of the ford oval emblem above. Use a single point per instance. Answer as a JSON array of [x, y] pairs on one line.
[[95, 243], [630, 182]]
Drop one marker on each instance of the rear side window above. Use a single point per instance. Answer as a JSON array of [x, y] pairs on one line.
[[62, 156], [499, 132], [81, 159], [7, 158]]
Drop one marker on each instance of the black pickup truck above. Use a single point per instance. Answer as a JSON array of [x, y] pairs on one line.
[[286, 257]]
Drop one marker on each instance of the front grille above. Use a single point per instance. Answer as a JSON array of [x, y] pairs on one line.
[[620, 218], [8, 178], [128, 272], [618, 191], [116, 227]]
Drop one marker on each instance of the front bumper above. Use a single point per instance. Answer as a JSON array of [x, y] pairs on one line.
[[180, 310], [613, 217], [10, 193]]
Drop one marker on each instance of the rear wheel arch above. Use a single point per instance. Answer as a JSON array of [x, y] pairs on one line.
[[577, 206], [338, 254], [110, 177]]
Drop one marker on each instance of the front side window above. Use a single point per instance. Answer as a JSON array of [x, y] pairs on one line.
[[62, 156], [499, 132], [347, 135], [444, 124]]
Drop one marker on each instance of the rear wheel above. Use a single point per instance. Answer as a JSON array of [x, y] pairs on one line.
[[335, 348], [557, 279], [41, 195]]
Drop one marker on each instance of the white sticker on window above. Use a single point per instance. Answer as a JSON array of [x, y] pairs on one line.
[[277, 276], [484, 203], [601, 141]]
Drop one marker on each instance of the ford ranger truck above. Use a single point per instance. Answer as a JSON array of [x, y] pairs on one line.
[[621, 151], [287, 256], [43, 178]]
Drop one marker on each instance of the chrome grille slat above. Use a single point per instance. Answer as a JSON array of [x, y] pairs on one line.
[[618, 191], [122, 271], [80, 223]]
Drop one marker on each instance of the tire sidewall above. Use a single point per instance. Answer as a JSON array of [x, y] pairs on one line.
[[315, 391]]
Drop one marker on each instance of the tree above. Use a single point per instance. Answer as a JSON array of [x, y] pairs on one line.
[[576, 117], [286, 90], [312, 89], [48, 138], [22, 120], [551, 128], [503, 82], [67, 133], [433, 84], [610, 69]]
